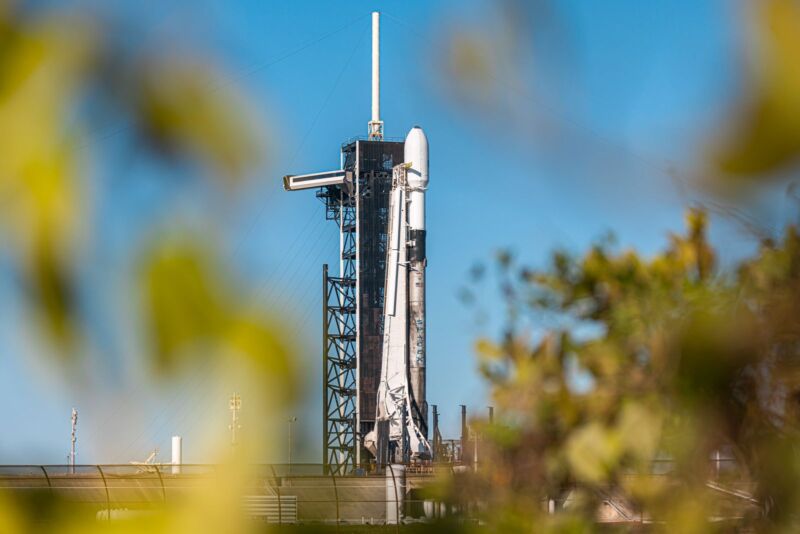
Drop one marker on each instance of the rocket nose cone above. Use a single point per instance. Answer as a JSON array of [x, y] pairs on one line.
[[416, 153], [416, 134]]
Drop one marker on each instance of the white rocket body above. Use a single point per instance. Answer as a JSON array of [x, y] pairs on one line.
[[401, 392], [416, 155]]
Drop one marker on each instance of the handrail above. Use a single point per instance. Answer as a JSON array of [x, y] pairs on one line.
[[108, 496], [47, 478], [396, 500], [161, 481], [278, 489], [336, 496]]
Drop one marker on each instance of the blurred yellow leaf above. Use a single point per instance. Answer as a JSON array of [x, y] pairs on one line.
[[186, 108], [41, 70], [592, 451], [183, 305], [188, 307], [639, 430], [767, 136], [470, 60], [488, 350]]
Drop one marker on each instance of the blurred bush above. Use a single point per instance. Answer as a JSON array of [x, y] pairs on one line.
[[61, 68], [683, 362], [764, 136], [52, 63], [655, 366]]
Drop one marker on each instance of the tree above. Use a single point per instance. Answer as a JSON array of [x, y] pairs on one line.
[[656, 364], [619, 377]]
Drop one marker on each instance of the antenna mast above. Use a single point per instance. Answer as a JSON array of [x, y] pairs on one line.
[[74, 439], [235, 404], [375, 126]]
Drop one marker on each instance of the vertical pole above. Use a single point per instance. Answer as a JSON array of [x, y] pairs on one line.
[[475, 451], [72, 452], [325, 365], [357, 274], [491, 415], [356, 441], [435, 451], [375, 127], [463, 432], [376, 66], [235, 404], [291, 422]]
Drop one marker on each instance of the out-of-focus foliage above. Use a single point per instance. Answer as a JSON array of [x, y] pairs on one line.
[[43, 63], [61, 70], [766, 135], [619, 377], [661, 363], [186, 108], [51, 63], [192, 311]]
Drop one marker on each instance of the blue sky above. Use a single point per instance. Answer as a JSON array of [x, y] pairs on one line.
[[645, 82]]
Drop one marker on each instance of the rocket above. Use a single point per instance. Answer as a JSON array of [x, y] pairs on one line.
[[402, 410], [416, 156]]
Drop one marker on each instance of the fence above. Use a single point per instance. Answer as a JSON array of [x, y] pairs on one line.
[[306, 493], [273, 493]]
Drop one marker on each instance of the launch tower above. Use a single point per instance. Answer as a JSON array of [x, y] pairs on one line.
[[357, 198]]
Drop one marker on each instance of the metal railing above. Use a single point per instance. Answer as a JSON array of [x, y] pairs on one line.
[[305, 493], [273, 493]]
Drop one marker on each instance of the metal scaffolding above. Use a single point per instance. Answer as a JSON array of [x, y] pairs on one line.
[[353, 301], [339, 342]]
